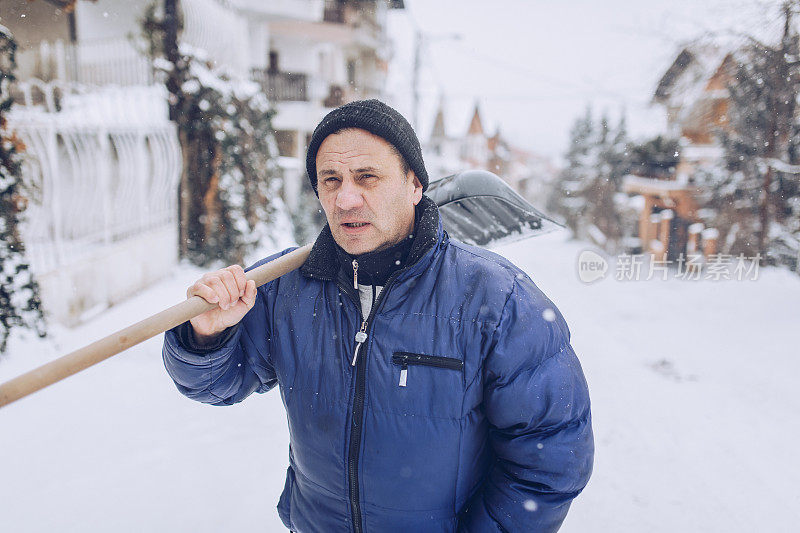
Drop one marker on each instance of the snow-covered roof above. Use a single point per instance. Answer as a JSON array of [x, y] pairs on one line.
[[686, 79], [651, 185]]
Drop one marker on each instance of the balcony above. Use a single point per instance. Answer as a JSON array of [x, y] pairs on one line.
[[334, 13], [308, 10], [92, 63], [335, 97], [282, 86]]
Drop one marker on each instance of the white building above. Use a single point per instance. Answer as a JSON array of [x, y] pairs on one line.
[[316, 56]]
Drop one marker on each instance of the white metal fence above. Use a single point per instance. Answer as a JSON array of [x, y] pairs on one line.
[[101, 171], [90, 187]]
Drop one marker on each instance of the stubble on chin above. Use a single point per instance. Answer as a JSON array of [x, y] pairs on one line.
[[351, 245]]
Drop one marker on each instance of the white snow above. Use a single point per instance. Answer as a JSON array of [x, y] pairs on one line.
[[696, 228], [693, 391], [597, 235], [530, 505]]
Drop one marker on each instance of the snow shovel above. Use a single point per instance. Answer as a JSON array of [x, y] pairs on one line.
[[476, 207]]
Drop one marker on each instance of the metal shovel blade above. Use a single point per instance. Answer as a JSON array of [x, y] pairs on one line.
[[479, 208]]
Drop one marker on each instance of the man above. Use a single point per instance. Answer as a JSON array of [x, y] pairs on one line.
[[429, 385]]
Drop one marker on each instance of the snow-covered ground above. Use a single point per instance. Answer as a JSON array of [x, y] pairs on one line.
[[696, 416]]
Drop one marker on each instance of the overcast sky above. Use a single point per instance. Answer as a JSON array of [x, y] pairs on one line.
[[534, 65]]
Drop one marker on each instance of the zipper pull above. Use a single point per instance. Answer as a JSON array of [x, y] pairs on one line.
[[361, 336], [404, 374], [355, 274]]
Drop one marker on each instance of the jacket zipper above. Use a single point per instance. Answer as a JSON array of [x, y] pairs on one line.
[[405, 358], [361, 336], [358, 397]]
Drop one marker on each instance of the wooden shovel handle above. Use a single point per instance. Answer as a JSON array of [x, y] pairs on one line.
[[100, 350]]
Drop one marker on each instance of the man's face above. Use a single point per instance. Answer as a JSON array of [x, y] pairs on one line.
[[368, 201]]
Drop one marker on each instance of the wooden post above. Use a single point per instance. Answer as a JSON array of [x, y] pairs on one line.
[[666, 221], [644, 223], [652, 232], [710, 241]]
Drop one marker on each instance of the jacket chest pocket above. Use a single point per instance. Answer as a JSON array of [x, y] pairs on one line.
[[427, 385], [406, 359]]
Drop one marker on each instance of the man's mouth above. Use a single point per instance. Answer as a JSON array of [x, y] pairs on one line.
[[354, 224]]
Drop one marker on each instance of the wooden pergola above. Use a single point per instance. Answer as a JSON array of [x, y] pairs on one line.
[[669, 209]]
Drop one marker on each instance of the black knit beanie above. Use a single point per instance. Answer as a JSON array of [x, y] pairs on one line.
[[377, 118]]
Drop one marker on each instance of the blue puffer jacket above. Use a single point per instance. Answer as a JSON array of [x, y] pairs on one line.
[[490, 432]]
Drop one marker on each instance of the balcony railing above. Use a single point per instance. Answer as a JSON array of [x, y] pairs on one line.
[[334, 13], [94, 63], [282, 86]]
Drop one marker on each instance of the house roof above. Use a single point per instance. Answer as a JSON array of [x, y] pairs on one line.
[[475, 125], [689, 73], [438, 131]]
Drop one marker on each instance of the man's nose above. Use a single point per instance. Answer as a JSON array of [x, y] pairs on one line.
[[349, 197]]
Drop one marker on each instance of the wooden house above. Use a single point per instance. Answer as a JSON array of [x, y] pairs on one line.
[[694, 93]]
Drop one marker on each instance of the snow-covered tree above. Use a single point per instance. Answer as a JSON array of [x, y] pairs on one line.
[[584, 196], [754, 199], [612, 165], [308, 219], [20, 305], [654, 158], [567, 199], [227, 140]]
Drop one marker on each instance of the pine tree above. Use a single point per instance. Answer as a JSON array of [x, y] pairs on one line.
[[20, 305], [754, 201], [613, 164], [587, 192], [567, 199], [654, 158]]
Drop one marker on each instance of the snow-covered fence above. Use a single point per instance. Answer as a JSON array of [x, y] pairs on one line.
[[92, 186], [101, 219], [78, 104]]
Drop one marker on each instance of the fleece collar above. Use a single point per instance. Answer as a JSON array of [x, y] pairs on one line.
[[375, 268], [323, 262]]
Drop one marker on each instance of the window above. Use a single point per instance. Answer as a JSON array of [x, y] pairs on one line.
[[273, 61]]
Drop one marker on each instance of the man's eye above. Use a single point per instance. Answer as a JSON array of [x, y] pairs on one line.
[[331, 180]]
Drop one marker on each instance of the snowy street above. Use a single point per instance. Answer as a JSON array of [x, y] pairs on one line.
[[653, 149], [692, 382]]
